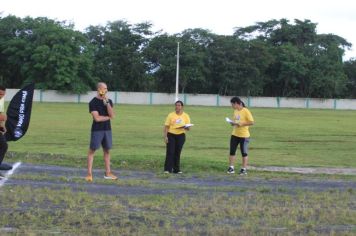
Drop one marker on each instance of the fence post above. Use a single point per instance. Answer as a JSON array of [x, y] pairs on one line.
[[78, 98], [41, 96], [248, 101], [116, 96], [217, 100], [151, 98], [307, 103], [335, 104], [278, 102], [185, 98]]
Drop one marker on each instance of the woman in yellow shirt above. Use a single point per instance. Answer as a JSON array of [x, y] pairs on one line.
[[174, 137], [240, 134]]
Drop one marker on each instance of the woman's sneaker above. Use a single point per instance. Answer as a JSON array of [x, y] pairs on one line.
[[243, 171], [110, 176], [230, 170]]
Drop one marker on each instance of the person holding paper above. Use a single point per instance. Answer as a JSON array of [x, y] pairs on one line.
[[240, 134], [175, 126]]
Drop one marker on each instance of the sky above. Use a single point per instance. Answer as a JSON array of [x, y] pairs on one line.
[[219, 16]]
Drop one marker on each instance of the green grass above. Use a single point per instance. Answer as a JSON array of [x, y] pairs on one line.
[[59, 134], [46, 211]]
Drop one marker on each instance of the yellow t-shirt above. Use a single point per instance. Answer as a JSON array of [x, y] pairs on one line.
[[2, 110], [242, 116], [2, 104], [175, 121]]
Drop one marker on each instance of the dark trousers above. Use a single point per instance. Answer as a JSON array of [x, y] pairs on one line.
[[3, 147], [174, 148]]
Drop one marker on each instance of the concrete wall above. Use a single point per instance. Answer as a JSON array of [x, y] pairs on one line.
[[191, 99], [261, 102]]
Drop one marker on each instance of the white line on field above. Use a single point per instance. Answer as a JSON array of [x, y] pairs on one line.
[[9, 173]]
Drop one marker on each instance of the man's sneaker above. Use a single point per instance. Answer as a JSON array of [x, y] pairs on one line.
[[110, 176], [89, 178], [230, 170], [166, 172], [243, 172]]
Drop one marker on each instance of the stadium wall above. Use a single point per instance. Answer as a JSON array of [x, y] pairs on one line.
[[142, 98]]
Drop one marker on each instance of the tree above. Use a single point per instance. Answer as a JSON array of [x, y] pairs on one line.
[[306, 64], [272, 58], [118, 55], [289, 72], [193, 59], [237, 67], [51, 54], [160, 57], [10, 69], [350, 70], [328, 78]]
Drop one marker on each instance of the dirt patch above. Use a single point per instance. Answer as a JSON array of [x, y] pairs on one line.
[[129, 183], [308, 170]]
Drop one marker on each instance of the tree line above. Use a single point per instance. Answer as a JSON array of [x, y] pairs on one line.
[[272, 58]]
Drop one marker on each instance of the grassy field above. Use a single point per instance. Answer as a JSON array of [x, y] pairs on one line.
[[38, 203], [253, 212], [59, 134]]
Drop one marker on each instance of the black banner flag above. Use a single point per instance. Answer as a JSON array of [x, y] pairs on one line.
[[19, 113]]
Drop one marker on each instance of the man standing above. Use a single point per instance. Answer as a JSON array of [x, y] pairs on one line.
[[3, 142], [101, 108]]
